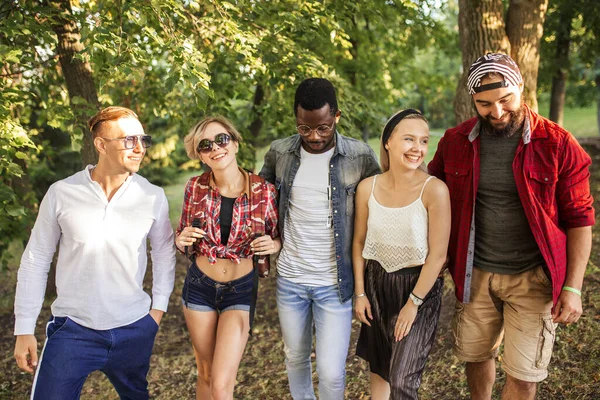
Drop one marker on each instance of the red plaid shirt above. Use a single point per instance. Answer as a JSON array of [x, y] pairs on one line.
[[254, 215], [552, 178]]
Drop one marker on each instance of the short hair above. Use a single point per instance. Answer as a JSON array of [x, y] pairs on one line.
[[111, 113], [384, 157], [314, 94], [192, 139]]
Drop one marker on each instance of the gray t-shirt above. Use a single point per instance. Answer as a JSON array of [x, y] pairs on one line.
[[504, 242]]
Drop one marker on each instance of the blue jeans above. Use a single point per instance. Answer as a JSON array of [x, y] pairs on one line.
[[72, 352], [300, 305]]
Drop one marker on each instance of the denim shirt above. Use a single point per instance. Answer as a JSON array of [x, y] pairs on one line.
[[352, 161]]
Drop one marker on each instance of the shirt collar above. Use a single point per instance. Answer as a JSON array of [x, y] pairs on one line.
[[526, 134]]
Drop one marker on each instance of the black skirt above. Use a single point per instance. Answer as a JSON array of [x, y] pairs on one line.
[[399, 363]]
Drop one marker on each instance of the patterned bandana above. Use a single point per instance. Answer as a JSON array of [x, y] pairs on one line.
[[493, 63]]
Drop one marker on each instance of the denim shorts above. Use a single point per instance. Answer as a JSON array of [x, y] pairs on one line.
[[201, 293]]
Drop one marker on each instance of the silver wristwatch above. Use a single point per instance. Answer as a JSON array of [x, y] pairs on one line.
[[416, 300]]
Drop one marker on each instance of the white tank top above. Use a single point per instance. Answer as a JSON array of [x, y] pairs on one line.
[[397, 237]]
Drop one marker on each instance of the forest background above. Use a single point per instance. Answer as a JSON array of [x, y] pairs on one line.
[[174, 61]]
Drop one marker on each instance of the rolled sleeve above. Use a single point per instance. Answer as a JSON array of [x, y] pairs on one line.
[[574, 198]]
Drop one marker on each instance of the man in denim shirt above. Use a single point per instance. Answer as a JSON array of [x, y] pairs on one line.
[[316, 173]]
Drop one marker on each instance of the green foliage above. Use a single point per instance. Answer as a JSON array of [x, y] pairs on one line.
[[174, 61], [584, 49]]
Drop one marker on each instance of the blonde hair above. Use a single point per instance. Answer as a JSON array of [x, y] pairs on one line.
[[194, 136], [384, 157], [111, 113]]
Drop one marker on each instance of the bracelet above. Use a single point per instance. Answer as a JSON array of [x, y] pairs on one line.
[[363, 294], [413, 293], [572, 290]]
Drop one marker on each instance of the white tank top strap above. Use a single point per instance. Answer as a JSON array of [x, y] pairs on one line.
[[373, 186], [423, 188]]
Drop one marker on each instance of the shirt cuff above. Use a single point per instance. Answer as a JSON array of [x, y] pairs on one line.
[[25, 326], [160, 303]]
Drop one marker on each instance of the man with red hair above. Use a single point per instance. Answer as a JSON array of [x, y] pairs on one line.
[[100, 218]]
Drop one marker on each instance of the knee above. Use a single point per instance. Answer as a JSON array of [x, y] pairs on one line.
[[221, 390], [519, 385], [296, 356], [330, 376]]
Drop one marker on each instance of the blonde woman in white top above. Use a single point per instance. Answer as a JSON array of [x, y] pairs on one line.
[[401, 233]]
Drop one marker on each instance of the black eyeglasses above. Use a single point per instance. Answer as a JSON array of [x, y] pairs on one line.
[[221, 140], [131, 141], [322, 130]]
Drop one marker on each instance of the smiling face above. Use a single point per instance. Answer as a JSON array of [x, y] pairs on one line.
[[113, 153], [314, 142], [408, 144], [219, 157], [501, 110]]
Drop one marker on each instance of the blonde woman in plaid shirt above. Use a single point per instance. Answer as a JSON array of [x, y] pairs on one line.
[[228, 216]]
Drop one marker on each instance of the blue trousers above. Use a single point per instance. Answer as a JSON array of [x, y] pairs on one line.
[[72, 352]]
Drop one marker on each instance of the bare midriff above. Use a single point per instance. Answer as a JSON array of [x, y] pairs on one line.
[[224, 270]]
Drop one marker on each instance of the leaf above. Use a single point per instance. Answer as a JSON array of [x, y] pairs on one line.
[[15, 210]]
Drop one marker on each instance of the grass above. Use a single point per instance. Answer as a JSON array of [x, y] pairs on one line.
[[580, 121]]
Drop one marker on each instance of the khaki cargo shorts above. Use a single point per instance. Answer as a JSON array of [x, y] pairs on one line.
[[516, 307]]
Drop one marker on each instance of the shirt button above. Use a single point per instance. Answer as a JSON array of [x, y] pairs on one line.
[[334, 188], [456, 173], [336, 235], [339, 280], [331, 165], [470, 252], [546, 179], [335, 211], [468, 275]]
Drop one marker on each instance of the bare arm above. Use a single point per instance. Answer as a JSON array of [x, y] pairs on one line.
[[361, 215], [568, 308], [437, 201]]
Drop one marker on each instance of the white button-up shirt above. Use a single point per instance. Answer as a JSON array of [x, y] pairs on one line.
[[102, 253]]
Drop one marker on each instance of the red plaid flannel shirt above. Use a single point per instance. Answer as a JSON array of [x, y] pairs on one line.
[[203, 201], [552, 177]]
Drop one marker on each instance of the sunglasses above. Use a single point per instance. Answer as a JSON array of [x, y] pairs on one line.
[[221, 140], [131, 141]]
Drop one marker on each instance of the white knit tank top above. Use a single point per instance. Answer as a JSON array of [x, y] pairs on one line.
[[397, 237]]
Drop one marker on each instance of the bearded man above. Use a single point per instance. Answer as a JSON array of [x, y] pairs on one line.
[[521, 230]]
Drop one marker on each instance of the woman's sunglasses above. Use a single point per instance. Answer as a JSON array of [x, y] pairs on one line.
[[221, 140]]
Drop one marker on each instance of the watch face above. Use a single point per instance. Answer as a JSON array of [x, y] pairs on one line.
[[416, 300]]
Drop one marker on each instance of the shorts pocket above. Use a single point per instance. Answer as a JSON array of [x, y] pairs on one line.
[[242, 289], [56, 325], [545, 343], [457, 322], [542, 278]]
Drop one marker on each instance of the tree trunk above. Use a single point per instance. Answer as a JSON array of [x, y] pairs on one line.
[[257, 122], [561, 62], [482, 31], [525, 27], [598, 90], [78, 76]]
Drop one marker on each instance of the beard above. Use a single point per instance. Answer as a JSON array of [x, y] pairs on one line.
[[514, 124]]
